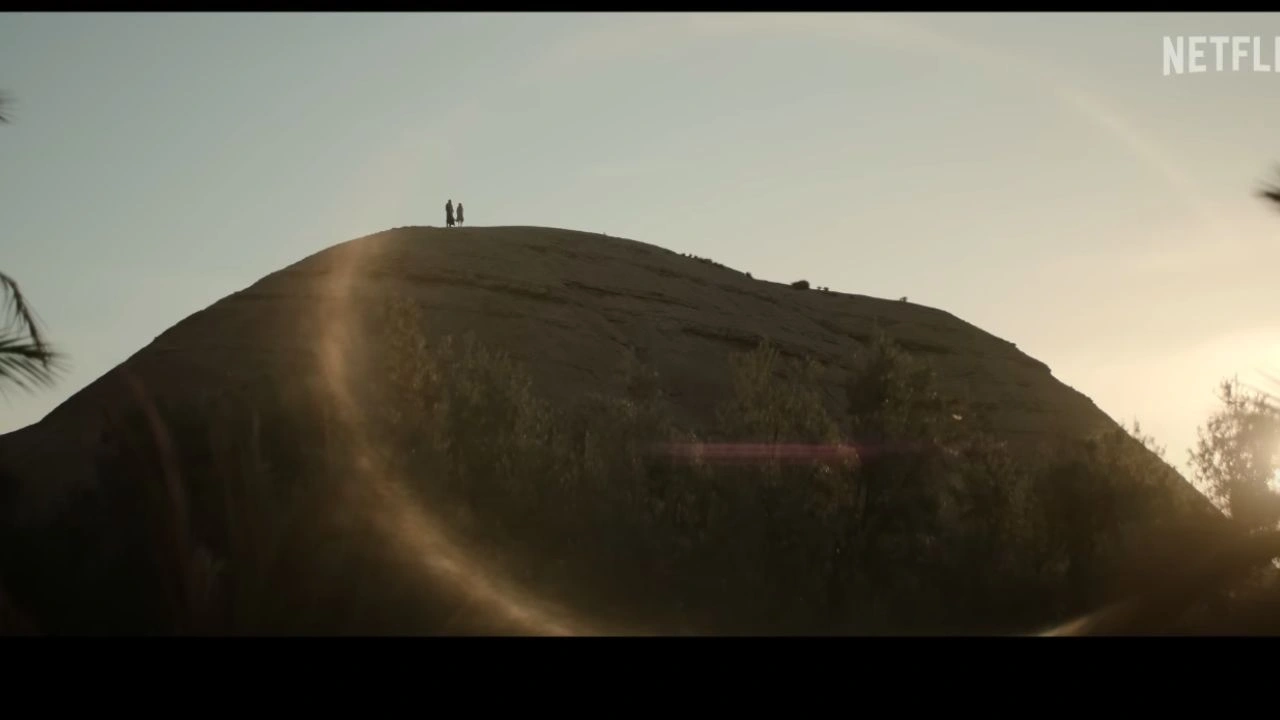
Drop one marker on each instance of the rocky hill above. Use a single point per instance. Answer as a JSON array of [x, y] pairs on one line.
[[571, 306]]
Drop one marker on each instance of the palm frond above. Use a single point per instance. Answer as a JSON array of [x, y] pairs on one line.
[[1272, 397], [26, 359], [25, 364], [1271, 191]]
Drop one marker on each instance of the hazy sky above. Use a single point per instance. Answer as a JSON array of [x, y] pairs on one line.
[[1036, 175]]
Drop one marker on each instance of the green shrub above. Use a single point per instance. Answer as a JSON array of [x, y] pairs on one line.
[[908, 516], [1237, 456]]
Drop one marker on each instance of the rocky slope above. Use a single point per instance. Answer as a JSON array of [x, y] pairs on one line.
[[571, 305]]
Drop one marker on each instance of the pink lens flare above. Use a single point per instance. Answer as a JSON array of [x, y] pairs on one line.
[[748, 453]]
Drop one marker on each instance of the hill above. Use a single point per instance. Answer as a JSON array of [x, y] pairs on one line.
[[570, 307]]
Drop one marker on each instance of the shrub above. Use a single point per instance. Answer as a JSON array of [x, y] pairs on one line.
[[778, 518]]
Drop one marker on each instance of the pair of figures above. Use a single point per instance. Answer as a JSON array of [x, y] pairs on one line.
[[448, 213]]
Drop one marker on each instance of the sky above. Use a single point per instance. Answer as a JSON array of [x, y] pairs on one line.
[[1034, 174]]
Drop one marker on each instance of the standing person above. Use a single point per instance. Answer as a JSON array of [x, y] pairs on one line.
[[448, 213], [459, 213]]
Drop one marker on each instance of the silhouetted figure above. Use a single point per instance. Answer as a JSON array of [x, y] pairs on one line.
[[459, 213], [448, 213]]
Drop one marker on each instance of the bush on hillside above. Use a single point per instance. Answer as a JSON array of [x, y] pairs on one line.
[[931, 524], [1237, 457], [906, 515]]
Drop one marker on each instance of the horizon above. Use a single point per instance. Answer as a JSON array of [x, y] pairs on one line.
[[1090, 209]]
